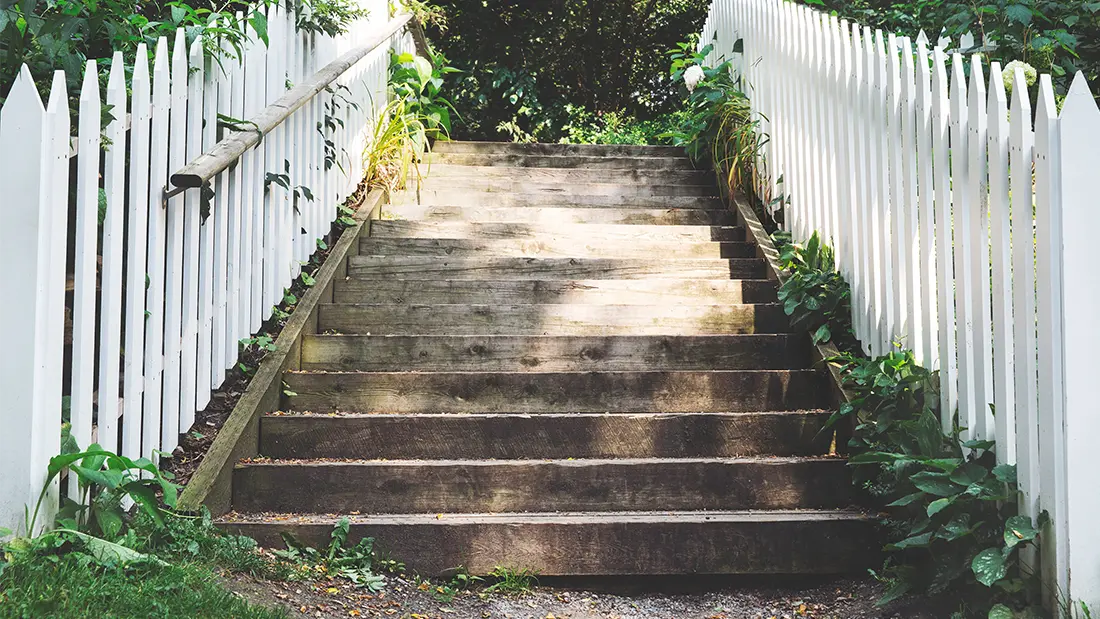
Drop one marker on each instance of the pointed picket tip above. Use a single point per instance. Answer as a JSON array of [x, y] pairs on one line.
[[922, 38], [141, 64], [59, 95], [997, 92], [116, 78], [179, 44], [23, 105], [1045, 107], [197, 55], [160, 58], [89, 88], [939, 60], [966, 41], [1020, 99], [1079, 102], [977, 79]]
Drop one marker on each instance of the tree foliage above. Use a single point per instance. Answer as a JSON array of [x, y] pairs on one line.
[[524, 61]]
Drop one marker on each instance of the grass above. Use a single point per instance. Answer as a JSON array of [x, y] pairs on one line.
[[57, 579], [71, 587], [511, 581]]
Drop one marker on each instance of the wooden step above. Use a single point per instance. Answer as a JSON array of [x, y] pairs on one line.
[[550, 353], [625, 189], [550, 319], [476, 486], [550, 247], [661, 292], [590, 162], [591, 233], [446, 267], [559, 215], [574, 435], [588, 150], [560, 392], [428, 195], [568, 177], [591, 544]]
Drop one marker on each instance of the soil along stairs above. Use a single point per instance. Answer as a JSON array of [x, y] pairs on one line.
[[561, 358]]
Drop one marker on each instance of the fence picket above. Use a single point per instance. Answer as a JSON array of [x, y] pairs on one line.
[[1048, 263], [1080, 121], [959, 236], [84, 264], [977, 246], [1023, 295], [155, 320], [192, 230], [136, 356], [174, 295], [910, 260], [941, 121], [111, 307]]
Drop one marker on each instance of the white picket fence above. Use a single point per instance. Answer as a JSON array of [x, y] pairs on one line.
[[156, 323], [964, 222]]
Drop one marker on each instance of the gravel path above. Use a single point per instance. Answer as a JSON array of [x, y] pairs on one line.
[[742, 599]]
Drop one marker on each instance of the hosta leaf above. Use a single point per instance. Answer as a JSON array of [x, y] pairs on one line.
[[1005, 473], [938, 506], [989, 566], [907, 499], [969, 473], [916, 541], [1000, 611], [1019, 529], [934, 483]]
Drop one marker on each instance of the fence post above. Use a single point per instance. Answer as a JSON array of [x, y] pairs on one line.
[[33, 235], [1079, 160]]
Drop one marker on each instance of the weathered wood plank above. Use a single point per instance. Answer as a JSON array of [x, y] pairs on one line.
[[435, 267], [564, 392], [546, 353], [664, 292], [774, 542], [625, 189], [589, 162], [593, 233], [552, 247], [428, 195], [589, 150], [568, 177], [551, 319], [551, 215], [512, 436], [479, 486]]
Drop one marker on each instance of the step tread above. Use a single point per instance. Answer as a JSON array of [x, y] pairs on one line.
[[553, 247], [571, 175], [427, 195], [589, 232], [580, 161], [556, 215]]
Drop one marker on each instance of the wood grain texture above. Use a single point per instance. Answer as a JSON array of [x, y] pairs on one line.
[[552, 215], [563, 392], [476, 486], [663, 292], [574, 435], [591, 150], [436, 267], [552, 247], [428, 195], [593, 233], [589, 162], [545, 353], [802, 542], [551, 319], [556, 188], [569, 176]]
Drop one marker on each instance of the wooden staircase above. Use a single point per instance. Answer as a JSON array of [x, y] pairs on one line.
[[562, 358]]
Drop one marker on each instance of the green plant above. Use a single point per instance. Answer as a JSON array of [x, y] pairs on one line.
[[511, 581], [418, 81], [952, 518], [460, 581], [616, 127], [814, 296], [355, 563]]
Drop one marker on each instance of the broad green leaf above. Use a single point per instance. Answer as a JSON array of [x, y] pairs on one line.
[[916, 541], [1019, 529], [110, 552], [1000, 611], [934, 483], [907, 499], [939, 505], [1005, 473], [969, 473], [989, 566]]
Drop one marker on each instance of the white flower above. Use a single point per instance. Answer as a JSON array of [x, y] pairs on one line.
[[693, 76], [1009, 74]]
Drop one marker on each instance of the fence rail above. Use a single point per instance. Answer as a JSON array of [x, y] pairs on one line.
[[963, 220], [165, 284]]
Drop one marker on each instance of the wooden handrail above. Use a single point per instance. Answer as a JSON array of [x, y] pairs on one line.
[[211, 163]]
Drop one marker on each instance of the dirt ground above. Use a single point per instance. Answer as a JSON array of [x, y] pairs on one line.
[[774, 598]]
